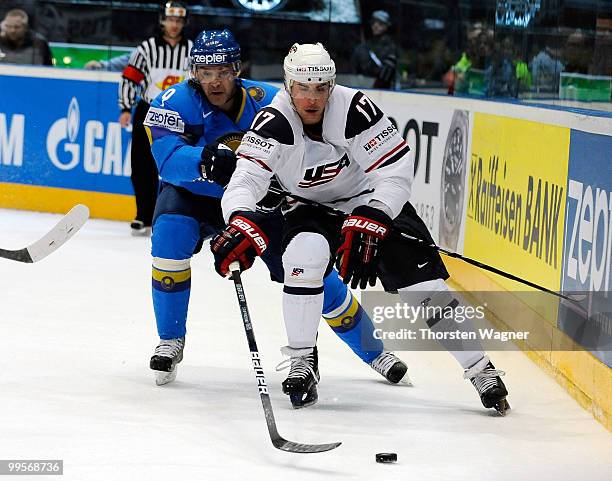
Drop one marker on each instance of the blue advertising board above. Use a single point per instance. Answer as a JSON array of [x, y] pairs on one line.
[[63, 133], [587, 250]]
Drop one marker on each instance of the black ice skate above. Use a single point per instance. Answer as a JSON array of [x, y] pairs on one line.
[[392, 368], [486, 379], [167, 355], [139, 229], [301, 383]]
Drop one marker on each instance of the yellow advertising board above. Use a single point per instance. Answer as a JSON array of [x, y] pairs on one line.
[[516, 197]]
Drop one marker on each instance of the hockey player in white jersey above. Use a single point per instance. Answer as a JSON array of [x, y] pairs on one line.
[[333, 145]]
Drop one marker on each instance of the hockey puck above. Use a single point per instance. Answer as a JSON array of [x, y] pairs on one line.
[[386, 457]]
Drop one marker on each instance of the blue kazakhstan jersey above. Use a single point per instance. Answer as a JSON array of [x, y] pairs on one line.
[[181, 121]]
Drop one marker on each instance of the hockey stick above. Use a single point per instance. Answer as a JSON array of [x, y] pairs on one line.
[[277, 440], [422, 243], [52, 240]]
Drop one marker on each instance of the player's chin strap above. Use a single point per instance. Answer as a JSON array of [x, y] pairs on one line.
[[425, 244]]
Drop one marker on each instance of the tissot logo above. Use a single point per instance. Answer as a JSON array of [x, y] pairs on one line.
[[379, 138], [256, 141], [322, 174], [314, 68]]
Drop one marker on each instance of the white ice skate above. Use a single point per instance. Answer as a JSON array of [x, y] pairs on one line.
[[392, 368], [487, 381], [167, 355], [301, 382]]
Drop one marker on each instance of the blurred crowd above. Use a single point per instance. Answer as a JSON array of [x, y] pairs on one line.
[[495, 64], [19, 44], [461, 58]]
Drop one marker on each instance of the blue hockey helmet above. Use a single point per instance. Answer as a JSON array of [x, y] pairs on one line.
[[215, 47]]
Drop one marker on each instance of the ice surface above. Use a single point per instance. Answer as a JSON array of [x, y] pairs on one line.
[[77, 330]]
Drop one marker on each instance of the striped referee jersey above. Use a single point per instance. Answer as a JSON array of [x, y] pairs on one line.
[[154, 66]]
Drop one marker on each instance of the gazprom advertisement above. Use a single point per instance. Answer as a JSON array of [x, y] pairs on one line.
[[63, 133]]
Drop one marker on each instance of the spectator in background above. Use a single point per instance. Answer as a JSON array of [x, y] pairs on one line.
[[499, 78], [158, 63], [506, 74], [377, 57], [19, 44], [546, 68], [473, 61], [578, 53], [115, 64], [433, 63], [602, 54]]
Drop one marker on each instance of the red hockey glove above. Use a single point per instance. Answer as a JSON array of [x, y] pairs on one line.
[[362, 233], [242, 240]]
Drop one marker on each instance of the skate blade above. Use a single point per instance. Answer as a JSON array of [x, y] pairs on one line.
[[303, 404], [502, 407], [406, 381], [145, 232], [163, 377], [299, 401]]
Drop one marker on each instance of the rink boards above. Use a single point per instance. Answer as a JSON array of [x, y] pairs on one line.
[[529, 191], [61, 143], [524, 189]]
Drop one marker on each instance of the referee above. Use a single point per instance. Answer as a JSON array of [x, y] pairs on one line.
[[157, 63]]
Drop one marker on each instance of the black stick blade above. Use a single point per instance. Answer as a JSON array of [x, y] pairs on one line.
[[21, 255], [292, 447]]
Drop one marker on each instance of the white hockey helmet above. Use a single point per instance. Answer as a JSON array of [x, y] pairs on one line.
[[309, 63]]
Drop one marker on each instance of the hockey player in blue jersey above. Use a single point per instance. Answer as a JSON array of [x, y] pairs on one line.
[[184, 124]]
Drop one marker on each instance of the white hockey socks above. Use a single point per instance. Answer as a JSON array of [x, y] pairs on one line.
[[437, 296], [305, 260]]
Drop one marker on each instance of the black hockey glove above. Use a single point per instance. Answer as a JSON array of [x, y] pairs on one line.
[[363, 233], [271, 200], [218, 163], [242, 240]]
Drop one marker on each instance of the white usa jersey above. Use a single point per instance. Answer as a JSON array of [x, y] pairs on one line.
[[361, 156]]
